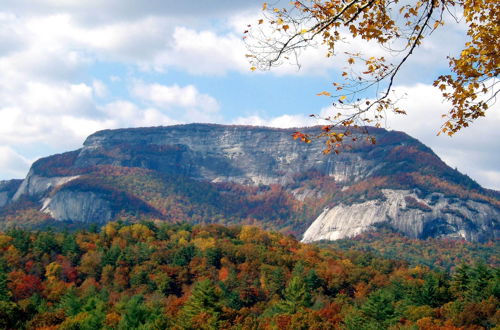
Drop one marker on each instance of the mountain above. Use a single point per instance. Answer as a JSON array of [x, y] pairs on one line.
[[254, 175]]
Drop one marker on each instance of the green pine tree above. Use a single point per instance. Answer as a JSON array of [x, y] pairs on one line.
[[477, 288], [203, 299], [135, 313], [379, 307], [296, 296], [461, 279]]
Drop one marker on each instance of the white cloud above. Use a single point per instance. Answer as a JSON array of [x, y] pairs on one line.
[[100, 89], [64, 115], [204, 52], [473, 150], [97, 12], [13, 165], [126, 114], [283, 121], [57, 46], [174, 96], [186, 103], [32, 112]]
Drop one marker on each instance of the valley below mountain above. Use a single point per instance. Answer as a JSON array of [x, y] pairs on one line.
[[203, 173]]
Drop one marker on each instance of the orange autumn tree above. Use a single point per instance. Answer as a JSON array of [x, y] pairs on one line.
[[364, 92]]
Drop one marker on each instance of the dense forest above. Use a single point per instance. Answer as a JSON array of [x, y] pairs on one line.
[[442, 254], [182, 276]]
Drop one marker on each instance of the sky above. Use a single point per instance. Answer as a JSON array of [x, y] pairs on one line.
[[71, 67]]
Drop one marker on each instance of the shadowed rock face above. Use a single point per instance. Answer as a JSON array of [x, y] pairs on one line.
[[257, 155], [7, 190]]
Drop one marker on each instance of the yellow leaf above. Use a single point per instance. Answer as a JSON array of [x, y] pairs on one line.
[[303, 31], [261, 21], [325, 93], [253, 68], [342, 98], [264, 6], [279, 21]]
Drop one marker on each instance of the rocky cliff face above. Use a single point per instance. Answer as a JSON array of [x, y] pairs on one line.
[[81, 206], [432, 216], [374, 184], [248, 155]]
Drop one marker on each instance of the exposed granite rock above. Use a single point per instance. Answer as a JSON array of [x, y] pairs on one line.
[[80, 206], [242, 154], [433, 216], [35, 185]]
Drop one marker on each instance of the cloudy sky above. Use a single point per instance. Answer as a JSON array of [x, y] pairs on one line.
[[72, 67]]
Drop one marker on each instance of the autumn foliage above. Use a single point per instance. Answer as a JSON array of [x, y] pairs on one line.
[[207, 277]]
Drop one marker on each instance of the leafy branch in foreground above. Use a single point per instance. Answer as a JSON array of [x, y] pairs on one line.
[[364, 93]]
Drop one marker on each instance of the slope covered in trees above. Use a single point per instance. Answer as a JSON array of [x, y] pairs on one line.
[[441, 254], [204, 277]]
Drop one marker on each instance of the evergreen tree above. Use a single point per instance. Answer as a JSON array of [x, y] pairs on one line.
[[355, 320], [313, 281], [276, 281], [213, 256], [184, 255], [46, 243], [461, 278], [96, 314], [477, 287], [203, 299], [21, 239], [70, 303], [296, 296], [135, 313], [379, 306], [70, 248], [434, 292]]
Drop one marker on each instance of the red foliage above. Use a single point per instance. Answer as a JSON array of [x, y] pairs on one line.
[[22, 285]]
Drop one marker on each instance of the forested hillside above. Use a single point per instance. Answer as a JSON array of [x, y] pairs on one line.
[[186, 276], [440, 254]]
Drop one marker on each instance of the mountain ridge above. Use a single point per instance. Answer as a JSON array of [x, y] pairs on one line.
[[392, 181]]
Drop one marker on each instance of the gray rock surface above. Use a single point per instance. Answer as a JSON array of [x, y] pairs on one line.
[[81, 206], [36, 185], [248, 155], [433, 216]]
